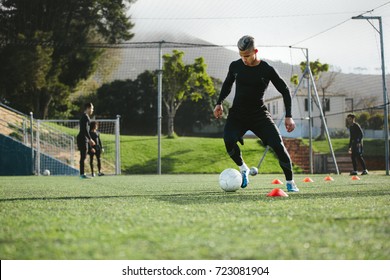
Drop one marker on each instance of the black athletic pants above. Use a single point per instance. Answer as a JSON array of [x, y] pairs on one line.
[[91, 156], [83, 147], [262, 125], [357, 155]]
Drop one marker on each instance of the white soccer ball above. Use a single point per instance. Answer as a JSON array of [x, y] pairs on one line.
[[253, 171], [230, 180], [46, 172]]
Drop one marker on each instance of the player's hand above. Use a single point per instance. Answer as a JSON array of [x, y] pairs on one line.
[[93, 151], [92, 143], [102, 150], [218, 111], [349, 151], [290, 124]]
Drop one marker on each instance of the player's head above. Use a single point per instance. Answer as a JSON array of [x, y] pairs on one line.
[[247, 49], [352, 116], [88, 108], [350, 119], [94, 125], [246, 43]]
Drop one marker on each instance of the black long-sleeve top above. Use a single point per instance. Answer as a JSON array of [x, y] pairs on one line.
[[84, 128], [95, 135], [355, 134], [251, 84]]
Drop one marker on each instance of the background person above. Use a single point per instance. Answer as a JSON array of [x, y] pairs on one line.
[[84, 138], [355, 147], [96, 150]]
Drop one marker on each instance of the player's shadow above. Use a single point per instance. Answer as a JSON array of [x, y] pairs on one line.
[[206, 197], [215, 197]]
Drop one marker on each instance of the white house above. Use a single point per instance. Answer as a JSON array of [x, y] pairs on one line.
[[335, 106]]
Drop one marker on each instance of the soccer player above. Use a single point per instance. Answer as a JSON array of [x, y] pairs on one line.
[[248, 111], [97, 149], [84, 138], [356, 144]]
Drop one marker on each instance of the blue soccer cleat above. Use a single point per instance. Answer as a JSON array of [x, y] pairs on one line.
[[245, 179], [291, 187]]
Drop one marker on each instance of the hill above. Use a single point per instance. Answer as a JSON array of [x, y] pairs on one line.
[[142, 54], [190, 155], [196, 155]]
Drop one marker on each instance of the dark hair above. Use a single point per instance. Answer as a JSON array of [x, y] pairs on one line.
[[93, 125], [352, 116], [88, 105], [246, 43]]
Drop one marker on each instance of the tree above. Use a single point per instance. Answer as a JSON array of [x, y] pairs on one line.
[[44, 44], [362, 120], [199, 114], [376, 121], [134, 100], [183, 82], [368, 103]]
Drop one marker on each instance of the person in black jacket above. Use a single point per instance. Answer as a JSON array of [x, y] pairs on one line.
[[96, 150], [252, 76], [84, 138], [355, 147]]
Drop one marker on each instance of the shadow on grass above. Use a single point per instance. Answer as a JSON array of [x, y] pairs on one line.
[[221, 197], [209, 197]]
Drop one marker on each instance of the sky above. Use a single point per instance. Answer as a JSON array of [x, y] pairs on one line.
[[323, 27]]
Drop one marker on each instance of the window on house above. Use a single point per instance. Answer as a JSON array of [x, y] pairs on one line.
[[325, 104], [349, 104], [307, 105], [305, 83], [274, 108]]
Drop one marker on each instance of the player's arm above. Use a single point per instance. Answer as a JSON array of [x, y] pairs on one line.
[[350, 140], [225, 91], [85, 128], [282, 87], [101, 144], [360, 133]]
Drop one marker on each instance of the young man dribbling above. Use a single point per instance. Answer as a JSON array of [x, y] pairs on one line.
[[249, 112]]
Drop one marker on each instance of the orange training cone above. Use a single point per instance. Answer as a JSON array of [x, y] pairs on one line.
[[328, 178], [277, 192], [277, 182], [355, 178], [308, 180]]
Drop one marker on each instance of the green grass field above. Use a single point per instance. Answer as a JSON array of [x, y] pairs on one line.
[[190, 217], [195, 155]]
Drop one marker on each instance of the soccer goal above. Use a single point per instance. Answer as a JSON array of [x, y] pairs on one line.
[[56, 147]]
